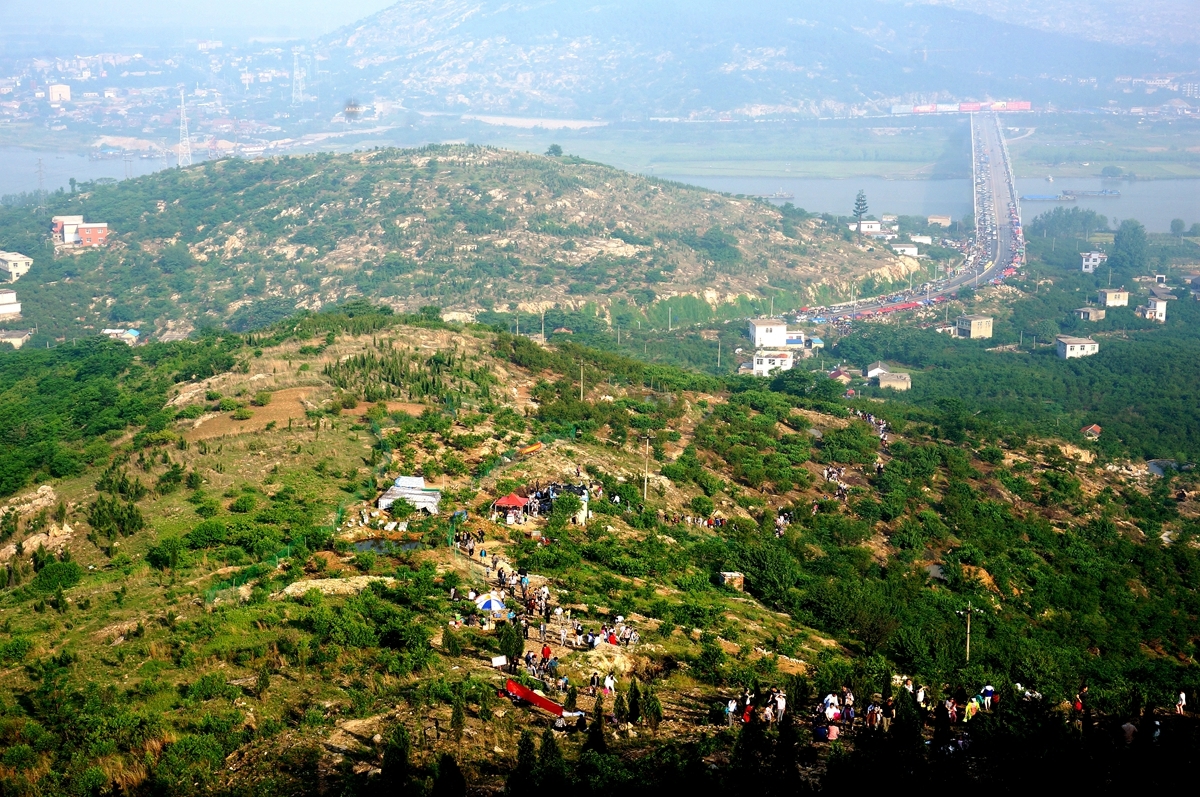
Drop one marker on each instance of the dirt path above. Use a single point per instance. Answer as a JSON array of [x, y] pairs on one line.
[[285, 405]]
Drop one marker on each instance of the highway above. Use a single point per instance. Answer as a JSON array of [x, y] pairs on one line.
[[999, 247]]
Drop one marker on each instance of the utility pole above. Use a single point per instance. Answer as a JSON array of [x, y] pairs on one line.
[[543, 326], [967, 613], [718, 354], [646, 471], [668, 319], [581, 380]]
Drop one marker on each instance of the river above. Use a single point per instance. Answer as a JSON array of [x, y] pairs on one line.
[[19, 169], [1152, 202]]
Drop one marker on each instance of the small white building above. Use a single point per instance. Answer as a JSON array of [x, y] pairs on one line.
[[921, 239], [15, 265], [130, 337], [1114, 297], [1071, 347], [868, 226], [767, 361], [895, 381], [938, 221], [905, 249], [875, 369], [1090, 313], [1155, 310], [769, 333], [413, 490], [60, 92], [9, 306], [1092, 261], [15, 337]]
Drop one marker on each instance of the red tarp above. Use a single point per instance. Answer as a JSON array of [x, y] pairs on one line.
[[512, 500], [529, 696]]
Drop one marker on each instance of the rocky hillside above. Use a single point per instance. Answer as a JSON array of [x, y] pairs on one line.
[[211, 605], [468, 228]]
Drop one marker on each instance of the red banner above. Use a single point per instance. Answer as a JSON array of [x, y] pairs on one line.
[[532, 697]]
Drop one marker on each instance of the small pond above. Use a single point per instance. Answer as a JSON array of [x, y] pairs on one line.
[[381, 545]]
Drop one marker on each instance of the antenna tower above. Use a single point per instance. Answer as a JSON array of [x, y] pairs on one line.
[[297, 80], [185, 141]]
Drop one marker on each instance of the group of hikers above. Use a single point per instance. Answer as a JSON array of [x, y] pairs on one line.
[[838, 712]]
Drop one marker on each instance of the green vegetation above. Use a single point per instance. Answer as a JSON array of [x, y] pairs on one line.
[[157, 652]]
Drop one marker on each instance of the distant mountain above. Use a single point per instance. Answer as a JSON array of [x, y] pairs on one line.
[[1160, 24], [633, 59]]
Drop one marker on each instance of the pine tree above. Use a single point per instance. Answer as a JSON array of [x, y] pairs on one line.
[[458, 718], [596, 739], [635, 702], [652, 709], [521, 779], [396, 770], [620, 711], [551, 771], [450, 781], [860, 208]]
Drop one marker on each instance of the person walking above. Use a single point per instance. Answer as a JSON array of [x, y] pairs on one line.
[[1181, 703], [886, 714]]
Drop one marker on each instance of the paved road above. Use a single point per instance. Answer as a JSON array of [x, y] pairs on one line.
[[997, 221]]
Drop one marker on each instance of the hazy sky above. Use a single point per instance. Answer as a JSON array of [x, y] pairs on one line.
[[306, 17]]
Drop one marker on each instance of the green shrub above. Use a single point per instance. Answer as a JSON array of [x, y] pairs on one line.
[[56, 575], [227, 405], [207, 534], [261, 399], [168, 554], [702, 505], [242, 414], [243, 503]]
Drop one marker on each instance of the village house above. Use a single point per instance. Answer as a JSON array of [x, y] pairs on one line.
[[905, 249], [768, 333], [15, 265], [1154, 310], [130, 337], [1071, 347], [869, 226], [767, 361], [895, 381], [938, 221], [74, 231], [875, 369], [1114, 297], [9, 306], [974, 326], [1091, 432], [841, 375], [1092, 261], [15, 337], [1090, 313]]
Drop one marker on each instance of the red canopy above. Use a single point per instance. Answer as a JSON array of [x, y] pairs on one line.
[[512, 500]]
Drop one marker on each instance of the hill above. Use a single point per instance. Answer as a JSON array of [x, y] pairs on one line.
[[704, 60], [245, 243], [192, 612]]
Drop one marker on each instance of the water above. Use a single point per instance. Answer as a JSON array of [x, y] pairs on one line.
[[19, 168], [380, 545], [818, 195], [1152, 202]]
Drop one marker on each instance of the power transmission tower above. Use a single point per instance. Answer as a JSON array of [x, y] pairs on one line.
[[128, 165], [297, 80], [185, 141], [41, 196]]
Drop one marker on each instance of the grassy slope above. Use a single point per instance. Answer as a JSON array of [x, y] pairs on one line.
[[247, 243], [167, 632]]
